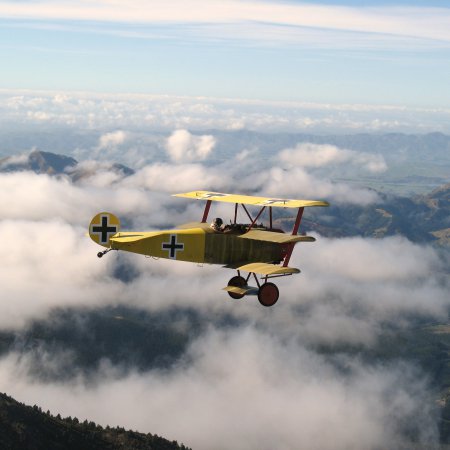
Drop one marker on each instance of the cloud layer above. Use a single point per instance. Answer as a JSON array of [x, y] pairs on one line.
[[120, 112], [261, 381], [244, 389], [258, 385]]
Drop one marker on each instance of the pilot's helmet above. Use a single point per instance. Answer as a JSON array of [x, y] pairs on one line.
[[217, 222]]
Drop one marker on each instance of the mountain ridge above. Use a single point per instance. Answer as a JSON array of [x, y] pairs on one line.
[[41, 162]]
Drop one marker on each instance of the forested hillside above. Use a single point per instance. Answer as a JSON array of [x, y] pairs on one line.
[[26, 427]]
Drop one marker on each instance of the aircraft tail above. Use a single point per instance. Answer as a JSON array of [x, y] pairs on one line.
[[103, 227]]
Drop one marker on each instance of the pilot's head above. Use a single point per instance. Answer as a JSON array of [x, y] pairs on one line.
[[217, 223]]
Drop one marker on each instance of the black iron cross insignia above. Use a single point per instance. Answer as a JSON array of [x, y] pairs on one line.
[[173, 246], [105, 230], [207, 195]]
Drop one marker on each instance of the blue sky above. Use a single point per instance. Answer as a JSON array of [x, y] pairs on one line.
[[362, 52]]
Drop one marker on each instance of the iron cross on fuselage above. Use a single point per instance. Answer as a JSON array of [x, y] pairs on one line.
[[173, 246]]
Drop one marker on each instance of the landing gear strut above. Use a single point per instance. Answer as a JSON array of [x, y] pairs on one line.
[[104, 252], [267, 293]]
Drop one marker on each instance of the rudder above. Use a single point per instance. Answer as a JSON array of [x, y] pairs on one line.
[[102, 227]]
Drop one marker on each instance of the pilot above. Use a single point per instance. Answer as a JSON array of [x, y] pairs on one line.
[[216, 224]]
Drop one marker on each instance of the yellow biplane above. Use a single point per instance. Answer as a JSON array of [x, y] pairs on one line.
[[253, 248]]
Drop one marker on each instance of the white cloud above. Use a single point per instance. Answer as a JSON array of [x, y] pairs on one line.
[[375, 260], [314, 155], [39, 115], [14, 159], [295, 182], [183, 146], [98, 174], [26, 195], [246, 154], [112, 139], [386, 278], [109, 144], [49, 264], [175, 178]]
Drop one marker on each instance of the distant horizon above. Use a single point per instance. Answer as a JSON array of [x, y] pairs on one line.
[[245, 100], [163, 112]]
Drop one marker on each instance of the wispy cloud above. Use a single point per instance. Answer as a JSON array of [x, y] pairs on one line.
[[246, 20]]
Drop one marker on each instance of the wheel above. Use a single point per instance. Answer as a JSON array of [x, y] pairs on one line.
[[268, 294], [237, 281]]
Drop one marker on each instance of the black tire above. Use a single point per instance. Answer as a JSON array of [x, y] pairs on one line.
[[268, 294], [237, 281]]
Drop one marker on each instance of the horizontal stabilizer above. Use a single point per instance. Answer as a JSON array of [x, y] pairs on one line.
[[128, 237], [268, 269], [271, 236]]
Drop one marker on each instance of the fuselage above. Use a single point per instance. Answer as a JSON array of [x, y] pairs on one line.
[[198, 243]]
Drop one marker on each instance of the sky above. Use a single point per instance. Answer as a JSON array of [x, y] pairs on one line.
[[395, 53]]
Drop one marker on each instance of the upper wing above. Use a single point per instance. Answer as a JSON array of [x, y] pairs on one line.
[[251, 200], [271, 236]]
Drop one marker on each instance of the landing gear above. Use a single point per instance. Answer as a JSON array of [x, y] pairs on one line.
[[268, 294], [237, 281]]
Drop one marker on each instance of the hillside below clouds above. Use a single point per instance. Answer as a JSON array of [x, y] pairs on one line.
[[26, 427], [420, 218]]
